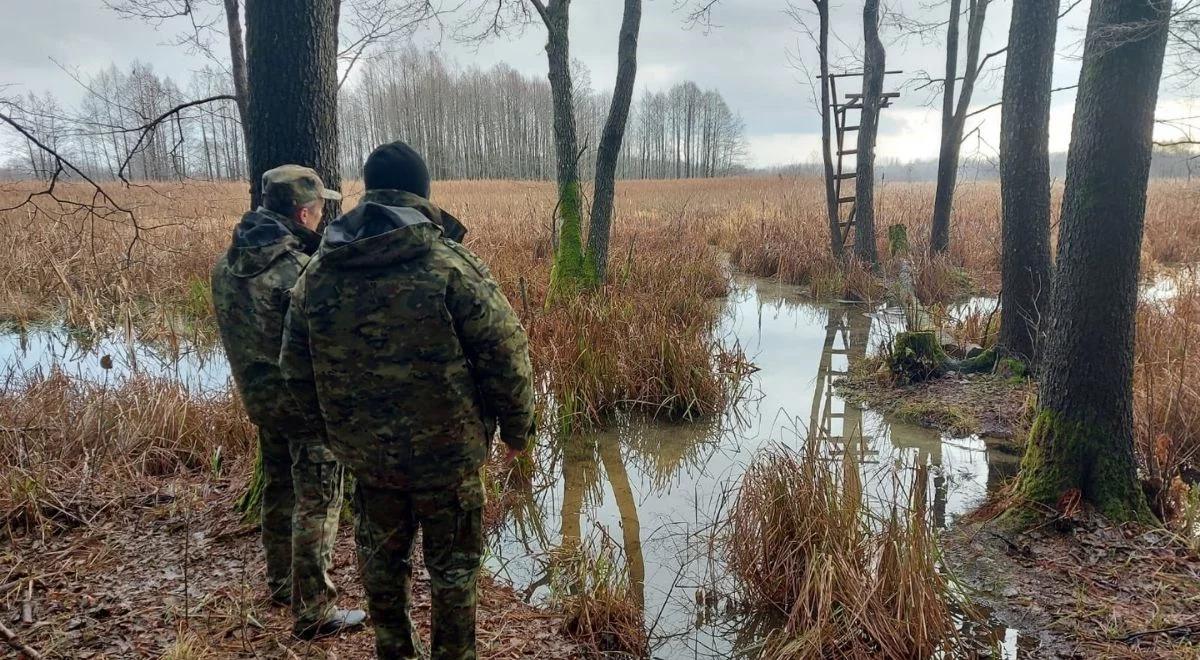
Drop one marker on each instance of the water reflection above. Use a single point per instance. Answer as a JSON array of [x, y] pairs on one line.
[[651, 489], [80, 355]]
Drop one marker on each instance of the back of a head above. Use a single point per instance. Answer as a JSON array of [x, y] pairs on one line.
[[396, 166]]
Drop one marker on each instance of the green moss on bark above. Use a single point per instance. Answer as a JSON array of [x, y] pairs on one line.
[[898, 240], [571, 272], [1064, 455], [984, 362], [918, 356]]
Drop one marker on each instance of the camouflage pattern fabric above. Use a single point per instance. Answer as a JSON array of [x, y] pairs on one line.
[[408, 348], [290, 186], [451, 227], [404, 342], [319, 482], [451, 523], [251, 287]]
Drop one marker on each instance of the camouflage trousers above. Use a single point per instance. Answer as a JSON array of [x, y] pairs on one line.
[[451, 524], [302, 499]]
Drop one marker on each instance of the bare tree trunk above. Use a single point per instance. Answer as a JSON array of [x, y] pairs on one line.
[[237, 59], [831, 205], [872, 98], [291, 72], [1083, 437], [939, 239], [612, 139], [954, 117], [1025, 177]]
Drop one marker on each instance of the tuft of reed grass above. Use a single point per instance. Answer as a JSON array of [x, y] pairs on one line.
[[71, 448], [1167, 400], [803, 543], [601, 607]]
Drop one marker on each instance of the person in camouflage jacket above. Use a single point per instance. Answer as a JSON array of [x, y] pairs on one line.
[[404, 342], [302, 491]]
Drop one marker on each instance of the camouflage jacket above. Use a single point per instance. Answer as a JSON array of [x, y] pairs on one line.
[[451, 227], [251, 286], [405, 343]]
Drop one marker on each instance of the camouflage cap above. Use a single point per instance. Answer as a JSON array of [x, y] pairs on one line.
[[293, 185]]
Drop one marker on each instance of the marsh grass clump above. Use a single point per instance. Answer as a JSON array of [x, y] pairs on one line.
[[1166, 401], [72, 447], [602, 608], [847, 581]]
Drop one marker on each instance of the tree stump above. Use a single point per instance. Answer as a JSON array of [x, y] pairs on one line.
[[919, 356]]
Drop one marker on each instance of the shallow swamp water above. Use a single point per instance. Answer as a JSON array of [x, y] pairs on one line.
[[651, 491]]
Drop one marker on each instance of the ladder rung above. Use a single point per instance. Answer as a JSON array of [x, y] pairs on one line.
[[848, 152], [847, 175], [843, 200], [850, 128], [851, 74], [885, 95], [847, 106]]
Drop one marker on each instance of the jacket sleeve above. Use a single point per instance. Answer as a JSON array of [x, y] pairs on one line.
[[496, 346], [295, 361]]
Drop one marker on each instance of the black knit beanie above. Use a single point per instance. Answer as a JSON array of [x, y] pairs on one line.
[[396, 166]]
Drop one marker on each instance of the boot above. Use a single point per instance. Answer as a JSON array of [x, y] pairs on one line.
[[340, 620]]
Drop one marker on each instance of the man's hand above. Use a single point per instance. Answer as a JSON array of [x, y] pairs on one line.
[[511, 455]]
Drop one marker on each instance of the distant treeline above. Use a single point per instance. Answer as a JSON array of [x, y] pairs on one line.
[[1168, 163], [498, 123], [470, 123]]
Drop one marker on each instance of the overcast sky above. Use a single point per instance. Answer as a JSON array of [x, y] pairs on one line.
[[751, 56]]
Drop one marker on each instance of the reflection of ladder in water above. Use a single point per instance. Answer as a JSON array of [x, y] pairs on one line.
[[844, 170], [822, 418]]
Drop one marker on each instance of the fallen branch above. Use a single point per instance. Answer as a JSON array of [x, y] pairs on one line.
[[1191, 628], [16, 643]]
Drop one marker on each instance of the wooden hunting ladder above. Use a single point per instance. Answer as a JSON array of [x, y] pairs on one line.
[[847, 170]]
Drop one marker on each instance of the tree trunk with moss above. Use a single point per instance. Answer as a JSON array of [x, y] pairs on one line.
[[1082, 440], [571, 271], [874, 63]]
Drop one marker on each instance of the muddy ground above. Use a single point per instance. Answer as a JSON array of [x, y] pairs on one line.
[[115, 588], [1072, 587], [1078, 588]]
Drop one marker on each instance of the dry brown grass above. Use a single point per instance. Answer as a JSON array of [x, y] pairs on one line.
[[601, 608], [72, 449], [1166, 398], [804, 543], [779, 231]]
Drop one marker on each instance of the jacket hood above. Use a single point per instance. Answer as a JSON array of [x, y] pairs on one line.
[[373, 234], [263, 236], [452, 228]]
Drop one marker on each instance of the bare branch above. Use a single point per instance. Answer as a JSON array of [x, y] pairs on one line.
[[62, 164], [149, 127]]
